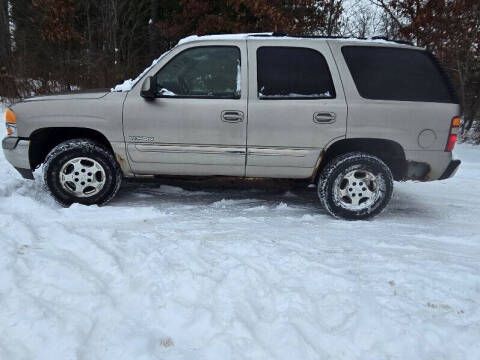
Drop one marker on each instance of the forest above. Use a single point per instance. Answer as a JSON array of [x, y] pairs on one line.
[[63, 45]]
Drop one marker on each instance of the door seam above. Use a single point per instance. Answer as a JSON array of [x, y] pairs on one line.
[[248, 107], [343, 88]]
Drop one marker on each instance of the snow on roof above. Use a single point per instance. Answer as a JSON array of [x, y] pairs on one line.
[[272, 36], [221, 37]]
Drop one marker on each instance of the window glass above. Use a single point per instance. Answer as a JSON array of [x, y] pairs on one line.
[[385, 73], [293, 72], [212, 72]]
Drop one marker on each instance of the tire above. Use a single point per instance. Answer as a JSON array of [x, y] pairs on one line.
[[81, 171], [355, 186]]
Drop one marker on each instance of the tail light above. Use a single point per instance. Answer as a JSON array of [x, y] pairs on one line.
[[453, 134]]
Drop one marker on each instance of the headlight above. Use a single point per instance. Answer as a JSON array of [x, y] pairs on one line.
[[11, 122]]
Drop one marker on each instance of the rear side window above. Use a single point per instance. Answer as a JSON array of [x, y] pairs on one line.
[[383, 73], [293, 73]]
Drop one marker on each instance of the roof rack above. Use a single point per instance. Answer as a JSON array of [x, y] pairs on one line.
[[403, 42], [278, 34]]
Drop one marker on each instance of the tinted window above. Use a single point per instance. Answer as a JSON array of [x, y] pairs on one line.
[[383, 73], [212, 72], [292, 72]]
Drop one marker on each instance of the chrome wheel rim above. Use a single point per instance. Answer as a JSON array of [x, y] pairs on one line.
[[357, 190], [82, 177]]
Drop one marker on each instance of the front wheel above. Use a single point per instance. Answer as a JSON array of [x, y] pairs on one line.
[[355, 186], [81, 171]]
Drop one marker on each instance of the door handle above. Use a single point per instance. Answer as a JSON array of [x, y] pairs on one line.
[[232, 116], [324, 117]]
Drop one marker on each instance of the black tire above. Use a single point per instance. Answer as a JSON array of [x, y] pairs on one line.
[[334, 175], [81, 148]]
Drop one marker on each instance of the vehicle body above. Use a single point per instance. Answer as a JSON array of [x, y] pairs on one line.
[[251, 122]]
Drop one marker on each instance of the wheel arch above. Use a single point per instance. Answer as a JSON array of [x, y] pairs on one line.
[[389, 151], [43, 140]]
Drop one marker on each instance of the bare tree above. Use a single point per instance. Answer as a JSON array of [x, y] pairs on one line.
[[7, 82], [361, 19]]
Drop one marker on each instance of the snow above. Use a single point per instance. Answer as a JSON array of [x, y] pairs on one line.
[[239, 78], [221, 37], [293, 95], [166, 92], [268, 36], [189, 270]]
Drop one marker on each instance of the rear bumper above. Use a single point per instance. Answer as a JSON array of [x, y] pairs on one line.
[[451, 170], [16, 153], [430, 165]]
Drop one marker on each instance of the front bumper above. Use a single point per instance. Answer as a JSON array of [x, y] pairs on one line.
[[16, 153]]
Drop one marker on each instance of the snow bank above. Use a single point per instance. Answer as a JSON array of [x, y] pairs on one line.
[[168, 273]]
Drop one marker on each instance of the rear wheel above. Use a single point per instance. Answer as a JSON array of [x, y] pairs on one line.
[[355, 186], [82, 171]]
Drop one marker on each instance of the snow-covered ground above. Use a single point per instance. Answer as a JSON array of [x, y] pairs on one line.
[[233, 273]]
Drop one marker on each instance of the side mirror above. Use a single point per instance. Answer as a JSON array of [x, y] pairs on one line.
[[149, 88]]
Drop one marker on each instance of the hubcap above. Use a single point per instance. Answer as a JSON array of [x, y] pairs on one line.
[[357, 190], [82, 177]]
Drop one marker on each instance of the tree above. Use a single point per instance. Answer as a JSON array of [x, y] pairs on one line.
[[7, 82], [234, 16], [5, 35], [60, 45]]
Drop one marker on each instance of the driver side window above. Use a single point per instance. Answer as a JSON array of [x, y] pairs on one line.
[[202, 72]]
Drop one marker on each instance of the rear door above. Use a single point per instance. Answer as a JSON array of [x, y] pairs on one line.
[[197, 123], [296, 106]]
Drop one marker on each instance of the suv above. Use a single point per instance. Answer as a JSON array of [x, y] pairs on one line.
[[351, 115]]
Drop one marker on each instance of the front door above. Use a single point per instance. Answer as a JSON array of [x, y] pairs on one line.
[[197, 124], [296, 106]]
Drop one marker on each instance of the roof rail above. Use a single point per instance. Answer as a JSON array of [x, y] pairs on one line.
[[403, 42], [278, 34]]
